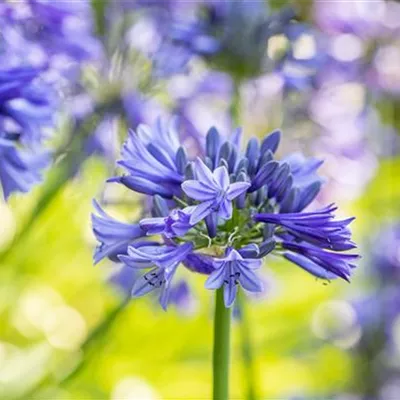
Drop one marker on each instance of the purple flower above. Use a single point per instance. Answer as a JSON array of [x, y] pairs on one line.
[[113, 236], [165, 260], [214, 191], [61, 28], [154, 160], [307, 234], [232, 36], [304, 170], [182, 298], [306, 183], [385, 254], [320, 262], [318, 227], [200, 263], [123, 278], [20, 169], [26, 112], [232, 270], [176, 224], [26, 104]]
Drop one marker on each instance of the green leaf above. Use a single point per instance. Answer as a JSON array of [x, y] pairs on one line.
[[99, 8]]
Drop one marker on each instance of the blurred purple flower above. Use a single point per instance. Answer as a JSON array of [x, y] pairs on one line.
[[20, 169], [26, 112], [231, 36], [385, 259], [62, 31]]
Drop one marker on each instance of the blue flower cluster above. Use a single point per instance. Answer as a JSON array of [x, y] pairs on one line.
[[58, 33], [43, 45], [221, 213], [26, 112], [233, 36]]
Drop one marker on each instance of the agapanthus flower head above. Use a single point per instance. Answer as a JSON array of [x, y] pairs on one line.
[[55, 29], [223, 212], [233, 36], [20, 169], [27, 105], [26, 117]]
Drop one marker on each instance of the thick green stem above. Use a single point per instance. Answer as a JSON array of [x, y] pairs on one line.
[[247, 354], [235, 105], [222, 326]]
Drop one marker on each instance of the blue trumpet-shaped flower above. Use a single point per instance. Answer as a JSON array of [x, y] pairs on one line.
[[214, 191], [174, 225], [307, 234], [224, 212], [317, 227], [232, 270], [180, 295], [113, 236], [154, 160], [320, 262], [164, 259]]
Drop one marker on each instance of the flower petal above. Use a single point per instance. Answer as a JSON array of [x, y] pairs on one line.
[[127, 260], [225, 209], [198, 191], [230, 290], [201, 211], [216, 279], [212, 144], [271, 142], [249, 251], [222, 177], [204, 174], [152, 226], [250, 263], [164, 297], [150, 281], [264, 175], [250, 281], [310, 266], [236, 189]]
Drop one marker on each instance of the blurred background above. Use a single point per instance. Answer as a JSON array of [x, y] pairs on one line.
[[325, 72]]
